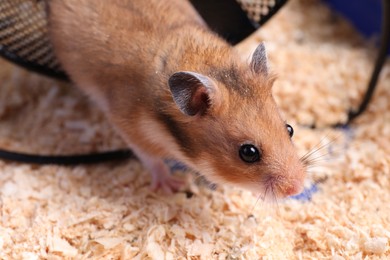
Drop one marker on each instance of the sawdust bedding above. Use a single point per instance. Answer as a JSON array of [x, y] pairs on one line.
[[107, 211]]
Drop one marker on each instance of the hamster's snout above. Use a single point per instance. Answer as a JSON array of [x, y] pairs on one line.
[[282, 187], [294, 188], [287, 181]]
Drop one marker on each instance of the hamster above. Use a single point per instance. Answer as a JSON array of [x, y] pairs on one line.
[[175, 90]]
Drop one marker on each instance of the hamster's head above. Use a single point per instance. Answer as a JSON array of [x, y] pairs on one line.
[[234, 132]]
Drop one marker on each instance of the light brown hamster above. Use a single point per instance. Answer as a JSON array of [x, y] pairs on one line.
[[175, 90]]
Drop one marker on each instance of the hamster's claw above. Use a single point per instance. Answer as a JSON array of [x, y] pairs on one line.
[[166, 182], [161, 174], [162, 178]]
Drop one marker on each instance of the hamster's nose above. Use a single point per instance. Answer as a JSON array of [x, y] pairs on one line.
[[293, 188]]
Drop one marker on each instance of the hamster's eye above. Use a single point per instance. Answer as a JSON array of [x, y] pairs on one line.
[[290, 130], [249, 153]]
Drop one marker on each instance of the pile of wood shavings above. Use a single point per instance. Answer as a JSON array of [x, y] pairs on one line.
[[107, 211]]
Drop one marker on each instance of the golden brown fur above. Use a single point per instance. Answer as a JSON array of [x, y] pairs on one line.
[[122, 53]]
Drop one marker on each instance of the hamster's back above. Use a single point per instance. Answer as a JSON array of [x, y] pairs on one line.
[[99, 36], [115, 30]]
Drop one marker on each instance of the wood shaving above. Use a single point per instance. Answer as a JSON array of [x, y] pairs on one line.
[[107, 211]]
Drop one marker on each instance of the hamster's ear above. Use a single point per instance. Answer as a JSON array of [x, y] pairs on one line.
[[259, 63], [193, 93]]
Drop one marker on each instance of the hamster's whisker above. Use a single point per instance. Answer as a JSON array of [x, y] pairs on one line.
[[271, 188], [314, 161], [254, 206], [263, 197], [320, 147], [308, 158], [316, 172], [275, 198], [312, 149]]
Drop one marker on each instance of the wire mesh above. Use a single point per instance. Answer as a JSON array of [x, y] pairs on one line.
[[260, 11], [24, 37]]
